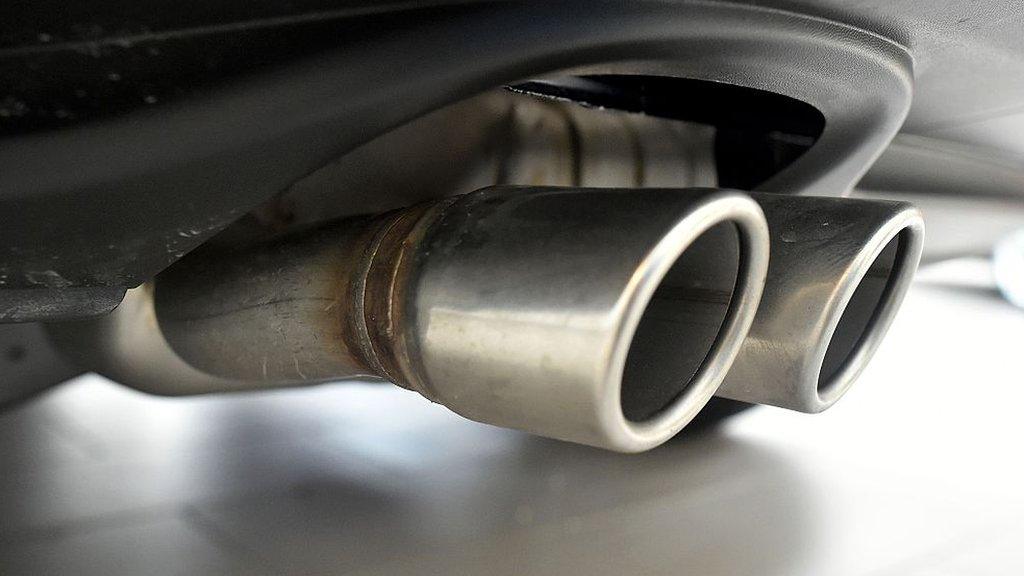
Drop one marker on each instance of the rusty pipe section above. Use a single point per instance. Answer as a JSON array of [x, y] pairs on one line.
[[839, 271], [605, 317]]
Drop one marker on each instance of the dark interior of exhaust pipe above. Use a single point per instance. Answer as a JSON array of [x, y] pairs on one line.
[[861, 312], [681, 323]]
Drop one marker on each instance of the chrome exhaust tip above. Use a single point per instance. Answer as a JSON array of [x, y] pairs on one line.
[[598, 316], [838, 274], [604, 317]]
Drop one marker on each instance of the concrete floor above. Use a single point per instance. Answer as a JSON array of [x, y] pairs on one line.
[[916, 472]]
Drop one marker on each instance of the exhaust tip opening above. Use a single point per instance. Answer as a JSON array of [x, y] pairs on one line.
[[682, 322], [867, 314]]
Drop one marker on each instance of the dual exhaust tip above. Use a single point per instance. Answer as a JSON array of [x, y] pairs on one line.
[[598, 316]]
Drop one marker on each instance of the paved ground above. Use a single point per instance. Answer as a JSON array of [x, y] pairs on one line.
[[916, 472]]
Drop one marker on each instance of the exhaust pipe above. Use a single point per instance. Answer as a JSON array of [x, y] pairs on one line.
[[604, 317], [128, 346], [839, 271]]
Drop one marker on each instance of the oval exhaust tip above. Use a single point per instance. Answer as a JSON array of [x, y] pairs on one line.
[[867, 304], [604, 317], [691, 325], [839, 271]]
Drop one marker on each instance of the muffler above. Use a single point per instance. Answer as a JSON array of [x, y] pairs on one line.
[[839, 271], [605, 317]]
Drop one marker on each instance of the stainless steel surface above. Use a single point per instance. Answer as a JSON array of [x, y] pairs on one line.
[[563, 143], [612, 329], [100, 480], [128, 346], [606, 317], [839, 271], [822, 249]]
